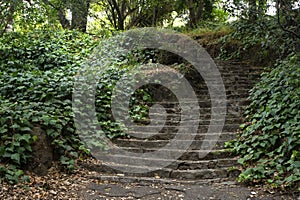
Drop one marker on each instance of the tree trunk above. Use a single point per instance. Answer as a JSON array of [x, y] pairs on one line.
[[207, 9], [195, 12], [118, 13], [80, 11], [62, 19], [7, 20], [192, 21], [154, 17]]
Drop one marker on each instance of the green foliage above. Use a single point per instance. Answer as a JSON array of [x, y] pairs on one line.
[[262, 42], [138, 107], [269, 143], [12, 174], [36, 81], [209, 28]]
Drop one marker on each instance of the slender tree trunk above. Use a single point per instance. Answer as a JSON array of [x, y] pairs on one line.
[[112, 14], [62, 19], [154, 17], [10, 20], [192, 16], [118, 11], [195, 12], [200, 8], [80, 11], [208, 9]]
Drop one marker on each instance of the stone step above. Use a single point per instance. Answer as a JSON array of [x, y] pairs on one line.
[[231, 117], [169, 163], [152, 136], [196, 136], [166, 150], [229, 82], [232, 113], [170, 103], [230, 97], [121, 178], [186, 129], [195, 144], [189, 154], [176, 121], [174, 107], [181, 174], [204, 114]]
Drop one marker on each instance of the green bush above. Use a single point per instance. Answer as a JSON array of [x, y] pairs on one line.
[[269, 143], [259, 43], [138, 105], [37, 74], [36, 82]]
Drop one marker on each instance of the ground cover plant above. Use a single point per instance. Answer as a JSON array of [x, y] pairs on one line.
[[36, 80], [269, 142]]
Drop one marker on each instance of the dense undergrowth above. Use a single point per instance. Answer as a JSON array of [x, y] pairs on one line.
[[269, 143], [37, 71], [36, 80]]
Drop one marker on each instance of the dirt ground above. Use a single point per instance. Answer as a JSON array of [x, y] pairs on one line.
[[84, 184]]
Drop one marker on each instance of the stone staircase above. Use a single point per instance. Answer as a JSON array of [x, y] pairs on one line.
[[196, 162]]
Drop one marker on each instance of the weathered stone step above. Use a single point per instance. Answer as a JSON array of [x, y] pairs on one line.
[[229, 83], [184, 154], [205, 117], [230, 89], [221, 172], [121, 178], [172, 164], [204, 120], [205, 106], [203, 173], [201, 129], [152, 136], [230, 95], [195, 144], [165, 148]]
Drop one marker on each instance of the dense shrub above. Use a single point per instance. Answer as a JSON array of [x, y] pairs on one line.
[[138, 104], [259, 43], [36, 82], [269, 143], [37, 71]]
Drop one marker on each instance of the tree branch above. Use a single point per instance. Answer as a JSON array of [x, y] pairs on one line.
[[280, 25]]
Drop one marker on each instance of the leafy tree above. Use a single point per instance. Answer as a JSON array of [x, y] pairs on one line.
[[7, 11], [288, 17], [78, 10], [20, 14], [124, 14], [199, 10]]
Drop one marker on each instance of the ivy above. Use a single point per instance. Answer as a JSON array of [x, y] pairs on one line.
[[269, 143], [37, 72], [138, 104]]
